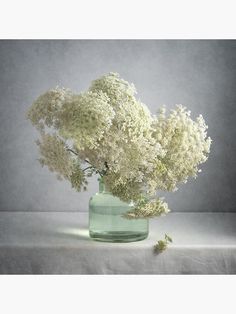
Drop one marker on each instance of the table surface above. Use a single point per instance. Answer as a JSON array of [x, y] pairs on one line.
[[59, 243]]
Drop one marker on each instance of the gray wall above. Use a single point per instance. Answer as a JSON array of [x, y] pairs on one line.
[[198, 74]]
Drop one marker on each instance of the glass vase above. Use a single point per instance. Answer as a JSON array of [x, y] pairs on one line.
[[106, 222]]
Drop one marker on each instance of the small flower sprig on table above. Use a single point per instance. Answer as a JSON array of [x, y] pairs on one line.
[[162, 245]]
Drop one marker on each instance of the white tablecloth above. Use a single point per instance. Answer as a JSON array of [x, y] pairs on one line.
[[58, 243]]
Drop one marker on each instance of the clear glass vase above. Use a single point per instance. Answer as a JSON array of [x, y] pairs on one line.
[[106, 222]]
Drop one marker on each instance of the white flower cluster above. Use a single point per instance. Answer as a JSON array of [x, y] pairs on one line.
[[117, 136], [46, 108], [55, 156], [186, 147], [86, 118], [148, 209], [58, 159]]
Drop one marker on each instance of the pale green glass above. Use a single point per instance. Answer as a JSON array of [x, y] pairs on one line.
[[106, 222]]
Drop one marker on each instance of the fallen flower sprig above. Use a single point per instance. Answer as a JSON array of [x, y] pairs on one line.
[[162, 245]]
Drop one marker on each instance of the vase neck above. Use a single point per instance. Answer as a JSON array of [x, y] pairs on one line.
[[102, 187]]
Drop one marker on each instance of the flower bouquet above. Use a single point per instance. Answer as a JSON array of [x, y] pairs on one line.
[[109, 132]]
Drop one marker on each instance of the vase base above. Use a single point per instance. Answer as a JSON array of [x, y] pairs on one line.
[[111, 236]]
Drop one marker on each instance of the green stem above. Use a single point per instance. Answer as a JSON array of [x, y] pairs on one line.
[[88, 168], [72, 151]]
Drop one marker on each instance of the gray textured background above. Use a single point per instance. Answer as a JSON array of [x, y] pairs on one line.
[[198, 74]]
